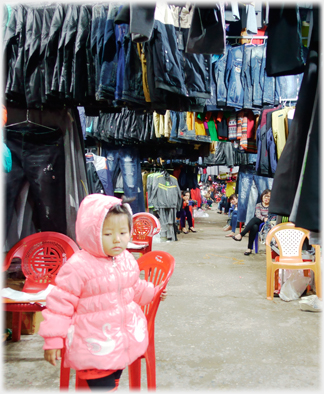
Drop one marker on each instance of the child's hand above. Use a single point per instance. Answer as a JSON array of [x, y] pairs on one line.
[[163, 294], [51, 355]]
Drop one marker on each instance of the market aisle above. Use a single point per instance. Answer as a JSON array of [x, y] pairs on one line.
[[216, 329]]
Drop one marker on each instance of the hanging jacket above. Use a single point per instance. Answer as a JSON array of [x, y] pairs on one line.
[[94, 306], [165, 192], [94, 183], [207, 30], [100, 165], [32, 71], [83, 71], [58, 29], [71, 25], [48, 15], [176, 71], [53, 56], [14, 51]]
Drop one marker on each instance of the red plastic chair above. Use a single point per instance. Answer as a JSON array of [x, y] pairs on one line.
[[157, 267], [145, 226], [41, 254]]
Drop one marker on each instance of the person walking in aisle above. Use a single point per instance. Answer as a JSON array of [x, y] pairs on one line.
[[96, 302], [261, 216], [185, 213]]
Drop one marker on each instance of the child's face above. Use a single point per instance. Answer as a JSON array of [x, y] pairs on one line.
[[186, 197], [115, 234], [234, 200]]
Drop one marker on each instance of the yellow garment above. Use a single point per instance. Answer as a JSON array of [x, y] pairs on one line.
[[144, 181], [167, 124], [212, 147], [199, 127], [279, 129], [141, 53], [157, 120], [162, 124], [230, 188], [190, 120]]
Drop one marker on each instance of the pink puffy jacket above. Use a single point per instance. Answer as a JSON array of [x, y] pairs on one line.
[[95, 303]]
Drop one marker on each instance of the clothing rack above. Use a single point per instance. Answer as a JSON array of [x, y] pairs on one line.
[[249, 37], [288, 99]]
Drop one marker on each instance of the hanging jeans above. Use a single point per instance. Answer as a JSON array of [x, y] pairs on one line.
[[246, 77], [268, 83], [127, 160], [289, 86], [245, 204], [257, 74], [38, 157], [179, 124]]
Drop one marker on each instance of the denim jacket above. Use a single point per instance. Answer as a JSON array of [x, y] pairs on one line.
[[175, 70]]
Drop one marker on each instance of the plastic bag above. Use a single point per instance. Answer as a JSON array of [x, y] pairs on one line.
[[156, 238], [199, 213], [294, 287]]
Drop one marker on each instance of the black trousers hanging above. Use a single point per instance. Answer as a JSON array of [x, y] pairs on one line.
[[38, 157], [289, 167]]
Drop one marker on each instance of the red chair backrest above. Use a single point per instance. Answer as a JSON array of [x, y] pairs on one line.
[[145, 226], [41, 254], [158, 267]]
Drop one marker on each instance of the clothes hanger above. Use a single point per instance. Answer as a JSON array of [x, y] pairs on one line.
[[28, 121]]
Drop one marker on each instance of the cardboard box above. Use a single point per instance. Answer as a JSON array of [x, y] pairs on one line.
[[30, 322]]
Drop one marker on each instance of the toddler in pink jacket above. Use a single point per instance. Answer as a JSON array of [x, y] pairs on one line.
[[94, 309]]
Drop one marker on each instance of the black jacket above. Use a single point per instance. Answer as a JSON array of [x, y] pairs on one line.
[[14, 54], [53, 57]]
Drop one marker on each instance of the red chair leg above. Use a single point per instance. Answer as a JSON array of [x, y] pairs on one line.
[[16, 326], [65, 374], [150, 370], [150, 365], [134, 375]]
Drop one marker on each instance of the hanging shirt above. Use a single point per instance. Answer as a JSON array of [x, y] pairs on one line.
[[279, 129], [199, 126]]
